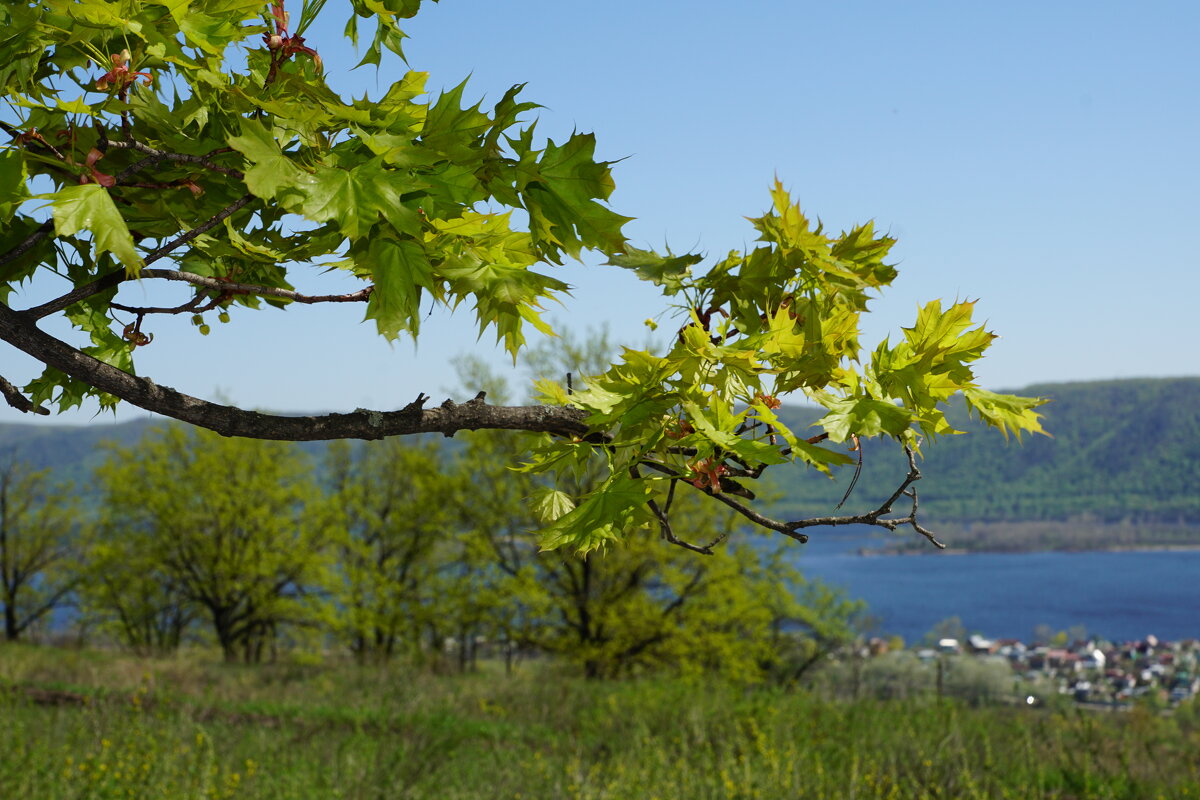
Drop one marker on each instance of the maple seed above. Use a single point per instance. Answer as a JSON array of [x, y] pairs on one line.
[[707, 473], [282, 43], [768, 400], [680, 429], [120, 76], [101, 178], [135, 337]]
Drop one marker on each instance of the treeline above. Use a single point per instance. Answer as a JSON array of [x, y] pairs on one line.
[[1083, 533], [1122, 452], [391, 550]]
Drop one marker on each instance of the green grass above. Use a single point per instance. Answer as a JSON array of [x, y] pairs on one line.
[[99, 725]]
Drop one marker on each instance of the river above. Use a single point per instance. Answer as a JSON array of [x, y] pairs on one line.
[[1120, 595]]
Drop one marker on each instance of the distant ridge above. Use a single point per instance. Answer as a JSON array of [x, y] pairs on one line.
[[72, 451], [1123, 451]]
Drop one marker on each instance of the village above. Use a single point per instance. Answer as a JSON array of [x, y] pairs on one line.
[[1091, 671]]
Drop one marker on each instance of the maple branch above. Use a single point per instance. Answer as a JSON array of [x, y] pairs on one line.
[[204, 227], [191, 306], [662, 514], [747, 512], [792, 528], [154, 156], [19, 401], [447, 419], [118, 276], [227, 288], [24, 137]]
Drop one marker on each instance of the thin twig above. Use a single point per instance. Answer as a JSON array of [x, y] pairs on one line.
[[33, 136], [744, 510], [857, 472], [792, 528], [192, 306], [229, 288], [19, 401], [661, 513], [155, 156]]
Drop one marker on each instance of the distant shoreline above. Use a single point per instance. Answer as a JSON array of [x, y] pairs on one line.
[[964, 551]]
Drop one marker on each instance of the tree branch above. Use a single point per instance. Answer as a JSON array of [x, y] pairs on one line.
[[223, 288], [230, 288], [20, 401], [116, 277], [793, 528], [662, 514], [194, 306], [446, 419], [227, 287], [154, 156]]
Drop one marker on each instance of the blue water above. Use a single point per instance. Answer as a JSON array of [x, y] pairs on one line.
[[1120, 596]]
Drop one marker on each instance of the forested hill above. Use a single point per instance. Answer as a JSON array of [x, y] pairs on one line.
[[74, 451], [1121, 451]]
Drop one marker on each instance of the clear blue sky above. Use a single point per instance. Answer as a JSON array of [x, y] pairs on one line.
[[1041, 157]]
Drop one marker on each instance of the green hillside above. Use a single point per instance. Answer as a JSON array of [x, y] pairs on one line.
[[72, 451], [1122, 451]]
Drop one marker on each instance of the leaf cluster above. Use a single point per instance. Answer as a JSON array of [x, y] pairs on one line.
[[247, 175], [782, 319]]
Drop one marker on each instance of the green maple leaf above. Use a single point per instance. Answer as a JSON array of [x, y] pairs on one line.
[[89, 207], [788, 227], [506, 292], [386, 33], [16, 270], [550, 505], [603, 516], [505, 115], [13, 190], [271, 174], [211, 33], [400, 270], [356, 198], [551, 392], [453, 130], [864, 416], [669, 271], [945, 340], [866, 252], [105, 16], [395, 112], [560, 190], [1005, 411]]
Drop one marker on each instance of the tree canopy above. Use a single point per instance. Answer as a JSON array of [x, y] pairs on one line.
[[157, 142]]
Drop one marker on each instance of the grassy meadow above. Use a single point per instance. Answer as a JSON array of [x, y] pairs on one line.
[[80, 724]]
